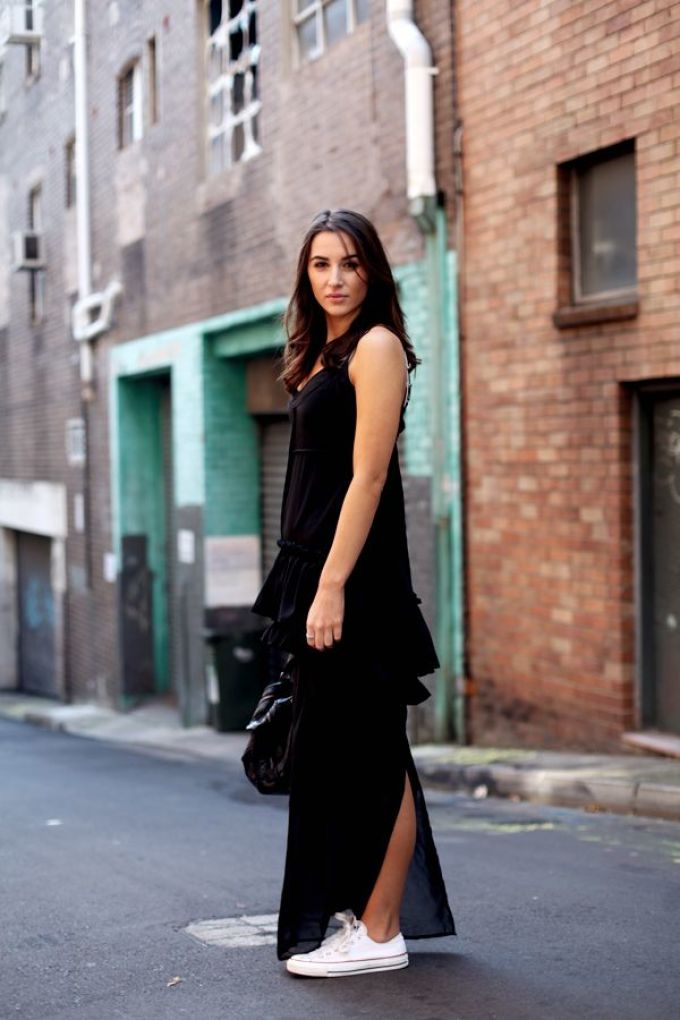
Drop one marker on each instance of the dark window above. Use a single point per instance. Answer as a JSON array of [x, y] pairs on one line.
[[70, 166], [152, 74], [129, 106], [603, 225]]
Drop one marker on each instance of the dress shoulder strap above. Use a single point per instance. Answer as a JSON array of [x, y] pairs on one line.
[[408, 385]]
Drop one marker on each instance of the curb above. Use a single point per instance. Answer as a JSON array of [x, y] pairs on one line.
[[561, 788], [120, 728], [626, 784]]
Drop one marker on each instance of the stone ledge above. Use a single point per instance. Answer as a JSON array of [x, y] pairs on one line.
[[585, 314], [656, 741]]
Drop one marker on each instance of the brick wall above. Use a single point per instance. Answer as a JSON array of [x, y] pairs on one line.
[[185, 246], [548, 410]]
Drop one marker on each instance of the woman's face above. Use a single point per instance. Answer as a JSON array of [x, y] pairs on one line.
[[334, 270]]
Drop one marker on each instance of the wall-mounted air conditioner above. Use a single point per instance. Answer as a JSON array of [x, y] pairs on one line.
[[21, 22], [27, 250]]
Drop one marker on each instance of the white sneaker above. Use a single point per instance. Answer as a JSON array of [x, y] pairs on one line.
[[350, 950]]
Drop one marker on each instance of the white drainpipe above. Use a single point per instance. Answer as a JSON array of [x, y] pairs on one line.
[[91, 312], [419, 70]]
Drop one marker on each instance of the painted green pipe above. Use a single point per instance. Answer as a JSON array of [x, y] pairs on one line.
[[449, 706]]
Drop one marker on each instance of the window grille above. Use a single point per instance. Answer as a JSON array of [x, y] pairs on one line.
[[233, 88]]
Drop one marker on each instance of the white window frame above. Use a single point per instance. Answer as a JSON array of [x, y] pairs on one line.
[[75, 441], [314, 9], [132, 112], [219, 88]]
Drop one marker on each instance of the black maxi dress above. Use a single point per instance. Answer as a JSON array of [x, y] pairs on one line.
[[350, 752]]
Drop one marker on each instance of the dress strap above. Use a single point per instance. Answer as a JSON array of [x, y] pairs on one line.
[[408, 385]]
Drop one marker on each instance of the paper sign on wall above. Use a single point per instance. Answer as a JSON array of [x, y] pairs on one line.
[[232, 570]]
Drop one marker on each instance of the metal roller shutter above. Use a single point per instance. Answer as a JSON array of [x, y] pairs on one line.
[[275, 437], [274, 440]]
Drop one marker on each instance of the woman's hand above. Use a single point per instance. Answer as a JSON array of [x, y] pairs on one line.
[[325, 616]]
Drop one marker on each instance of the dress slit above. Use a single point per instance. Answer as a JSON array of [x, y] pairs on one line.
[[391, 831], [349, 772]]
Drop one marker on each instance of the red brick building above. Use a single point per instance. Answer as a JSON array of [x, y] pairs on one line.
[[570, 329]]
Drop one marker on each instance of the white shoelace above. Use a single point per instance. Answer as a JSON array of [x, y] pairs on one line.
[[340, 940]]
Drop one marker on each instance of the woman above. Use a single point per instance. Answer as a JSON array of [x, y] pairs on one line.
[[340, 599]]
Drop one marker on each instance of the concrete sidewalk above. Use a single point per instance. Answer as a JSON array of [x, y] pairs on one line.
[[155, 725], [640, 784], [635, 783]]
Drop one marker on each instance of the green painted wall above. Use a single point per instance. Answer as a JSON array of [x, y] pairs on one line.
[[232, 471], [138, 504], [454, 470], [417, 439], [180, 352], [446, 474], [215, 463]]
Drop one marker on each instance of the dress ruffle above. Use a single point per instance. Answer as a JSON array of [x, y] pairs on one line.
[[405, 649], [391, 626], [287, 593]]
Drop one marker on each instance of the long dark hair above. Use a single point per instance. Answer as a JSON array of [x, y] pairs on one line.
[[304, 320]]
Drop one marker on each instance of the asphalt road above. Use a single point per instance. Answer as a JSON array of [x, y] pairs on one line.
[[108, 853]]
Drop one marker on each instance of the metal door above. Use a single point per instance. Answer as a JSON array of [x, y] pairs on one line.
[[660, 538], [36, 647], [136, 617]]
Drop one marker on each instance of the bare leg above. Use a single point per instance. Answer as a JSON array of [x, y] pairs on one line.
[[381, 915]]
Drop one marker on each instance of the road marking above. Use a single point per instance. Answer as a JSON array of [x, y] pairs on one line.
[[236, 932]]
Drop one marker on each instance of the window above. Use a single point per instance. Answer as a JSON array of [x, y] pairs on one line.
[[31, 15], [597, 237], [233, 91], [32, 21], [70, 167], [35, 208], [75, 440], [320, 23], [603, 225], [32, 62], [130, 105], [152, 76], [36, 278]]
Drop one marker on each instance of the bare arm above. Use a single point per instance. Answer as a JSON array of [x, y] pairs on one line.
[[380, 384]]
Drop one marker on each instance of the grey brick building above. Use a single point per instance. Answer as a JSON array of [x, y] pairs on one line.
[[159, 164]]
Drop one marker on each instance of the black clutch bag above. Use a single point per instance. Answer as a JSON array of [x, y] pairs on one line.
[[266, 757]]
